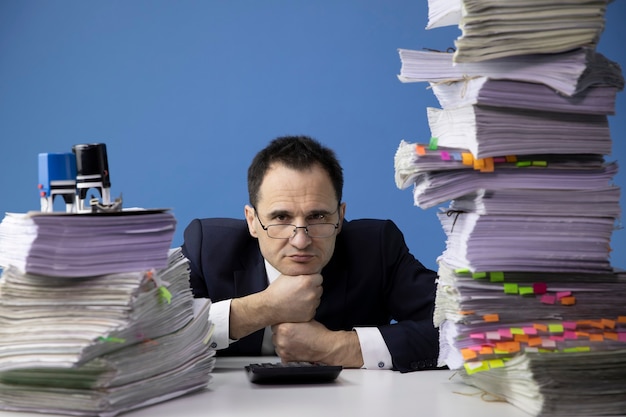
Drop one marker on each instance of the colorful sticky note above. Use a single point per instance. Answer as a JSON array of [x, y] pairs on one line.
[[497, 276], [568, 301], [548, 299], [596, 337], [540, 288], [608, 324], [486, 350], [420, 150], [529, 330], [467, 158], [496, 363], [493, 335], [561, 294], [473, 367], [445, 156], [505, 333], [490, 318], [433, 143], [569, 325], [555, 328], [510, 288], [468, 354], [526, 290], [478, 275]]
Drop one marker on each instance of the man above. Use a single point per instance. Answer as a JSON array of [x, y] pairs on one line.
[[297, 279]]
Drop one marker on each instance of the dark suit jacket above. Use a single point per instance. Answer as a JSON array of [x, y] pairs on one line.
[[370, 280]]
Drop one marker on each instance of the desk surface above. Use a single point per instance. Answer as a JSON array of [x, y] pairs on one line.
[[355, 393]]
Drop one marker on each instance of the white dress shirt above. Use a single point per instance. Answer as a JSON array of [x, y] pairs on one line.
[[373, 347]]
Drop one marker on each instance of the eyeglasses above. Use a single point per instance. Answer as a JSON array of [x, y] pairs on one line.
[[287, 231]]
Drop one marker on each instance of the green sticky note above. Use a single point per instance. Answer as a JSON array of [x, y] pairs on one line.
[[433, 144], [460, 271], [540, 163], [165, 294], [112, 339], [526, 290], [496, 276], [473, 367], [510, 288], [523, 163], [517, 330], [479, 275], [496, 363], [555, 328]]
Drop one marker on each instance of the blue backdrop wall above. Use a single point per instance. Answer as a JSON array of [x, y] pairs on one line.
[[185, 92]]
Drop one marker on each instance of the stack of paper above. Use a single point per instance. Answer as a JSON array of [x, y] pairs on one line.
[[567, 73], [85, 339], [498, 28], [529, 307], [70, 245]]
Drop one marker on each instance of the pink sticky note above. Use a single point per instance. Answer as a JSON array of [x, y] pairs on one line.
[[530, 330], [445, 156], [505, 333], [562, 294], [570, 335], [548, 299], [569, 325], [477, 336]]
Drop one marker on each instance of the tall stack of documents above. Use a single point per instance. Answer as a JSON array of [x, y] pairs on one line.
[[96, 314], [529, 305]]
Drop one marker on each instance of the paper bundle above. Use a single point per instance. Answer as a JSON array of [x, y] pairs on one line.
[[529, 306], [99, 343]]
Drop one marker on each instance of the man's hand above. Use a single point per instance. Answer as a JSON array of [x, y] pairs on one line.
[[293, 298], [312, 342], [287, 299]]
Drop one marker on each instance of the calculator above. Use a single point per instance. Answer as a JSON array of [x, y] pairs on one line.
[[292, 372]]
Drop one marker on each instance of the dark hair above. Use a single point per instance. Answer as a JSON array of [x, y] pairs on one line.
[[295, 152]]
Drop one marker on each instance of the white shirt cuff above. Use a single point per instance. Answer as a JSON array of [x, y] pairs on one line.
[[373, 348], [219, 315]]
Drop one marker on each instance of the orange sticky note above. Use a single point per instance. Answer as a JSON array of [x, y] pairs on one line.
[[594, 337], [420, 149], [521, 338], [491, 318], [488, 165], [486, 350], [468, 354], [608, 324], [540, 327], [568, 301], [511, 158], [467, 158], [534, 341]]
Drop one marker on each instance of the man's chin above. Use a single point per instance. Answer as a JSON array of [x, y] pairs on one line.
[[300, 269]]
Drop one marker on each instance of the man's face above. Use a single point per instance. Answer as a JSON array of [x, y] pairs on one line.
[[288, 196]]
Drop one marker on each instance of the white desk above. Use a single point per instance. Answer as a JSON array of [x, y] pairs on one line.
[[356, 392]]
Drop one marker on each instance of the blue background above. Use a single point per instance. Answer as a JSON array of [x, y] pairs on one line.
[[185, 92]]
